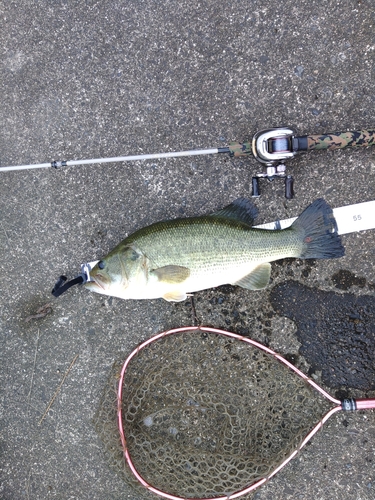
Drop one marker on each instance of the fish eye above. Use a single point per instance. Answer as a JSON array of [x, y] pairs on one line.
[[134, 255], [101, 264]]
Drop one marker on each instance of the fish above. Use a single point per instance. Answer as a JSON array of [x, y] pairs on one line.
[[174, 258]]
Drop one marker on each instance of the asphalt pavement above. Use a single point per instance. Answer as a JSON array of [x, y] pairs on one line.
[[90, 79]]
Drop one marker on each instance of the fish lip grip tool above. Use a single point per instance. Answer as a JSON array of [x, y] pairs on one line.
[[62, 284]]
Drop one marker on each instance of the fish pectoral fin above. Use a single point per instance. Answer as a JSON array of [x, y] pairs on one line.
[[175, 296], [257, 279], [171, 274]]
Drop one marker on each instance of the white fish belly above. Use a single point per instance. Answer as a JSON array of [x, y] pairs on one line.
[[216, 277]]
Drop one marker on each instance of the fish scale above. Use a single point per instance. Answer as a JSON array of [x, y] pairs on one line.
[[206, 243]]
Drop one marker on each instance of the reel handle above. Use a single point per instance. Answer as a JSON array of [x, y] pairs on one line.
[[288, 182]]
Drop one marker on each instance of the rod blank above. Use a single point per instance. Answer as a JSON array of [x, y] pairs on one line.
[[116, 159], [25, 167]]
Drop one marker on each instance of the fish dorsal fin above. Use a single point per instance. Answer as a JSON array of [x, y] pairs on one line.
[[171, 274], [241, 210], [257, 279]]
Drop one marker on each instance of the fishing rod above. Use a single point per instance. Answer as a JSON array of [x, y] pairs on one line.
[[271, 147]]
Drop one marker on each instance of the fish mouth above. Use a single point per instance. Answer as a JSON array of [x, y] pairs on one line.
[[96, 284]]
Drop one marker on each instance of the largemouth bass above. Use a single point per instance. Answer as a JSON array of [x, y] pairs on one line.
[[173, 258]]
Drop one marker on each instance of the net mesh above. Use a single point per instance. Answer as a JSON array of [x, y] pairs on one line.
[[205, 415]]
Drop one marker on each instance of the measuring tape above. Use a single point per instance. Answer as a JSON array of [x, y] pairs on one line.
[[349, 219]]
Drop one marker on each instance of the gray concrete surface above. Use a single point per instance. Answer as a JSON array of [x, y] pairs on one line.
[[85, 79]]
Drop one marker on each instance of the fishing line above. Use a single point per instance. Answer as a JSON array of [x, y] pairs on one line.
[[271, 147], [349, 219], [208, 414]]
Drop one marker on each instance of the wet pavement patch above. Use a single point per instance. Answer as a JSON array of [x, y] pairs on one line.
[[337, 332], [345, 279]]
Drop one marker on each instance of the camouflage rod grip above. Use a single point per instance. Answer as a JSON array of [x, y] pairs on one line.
[[339, 140], [237, 149]]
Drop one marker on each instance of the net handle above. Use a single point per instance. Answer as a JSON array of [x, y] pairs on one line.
[[361, 404], [365, 404]]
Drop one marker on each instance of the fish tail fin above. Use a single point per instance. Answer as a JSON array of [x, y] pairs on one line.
[[318, 229]]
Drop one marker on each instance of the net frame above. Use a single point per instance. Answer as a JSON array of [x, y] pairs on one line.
[[358, 404]]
